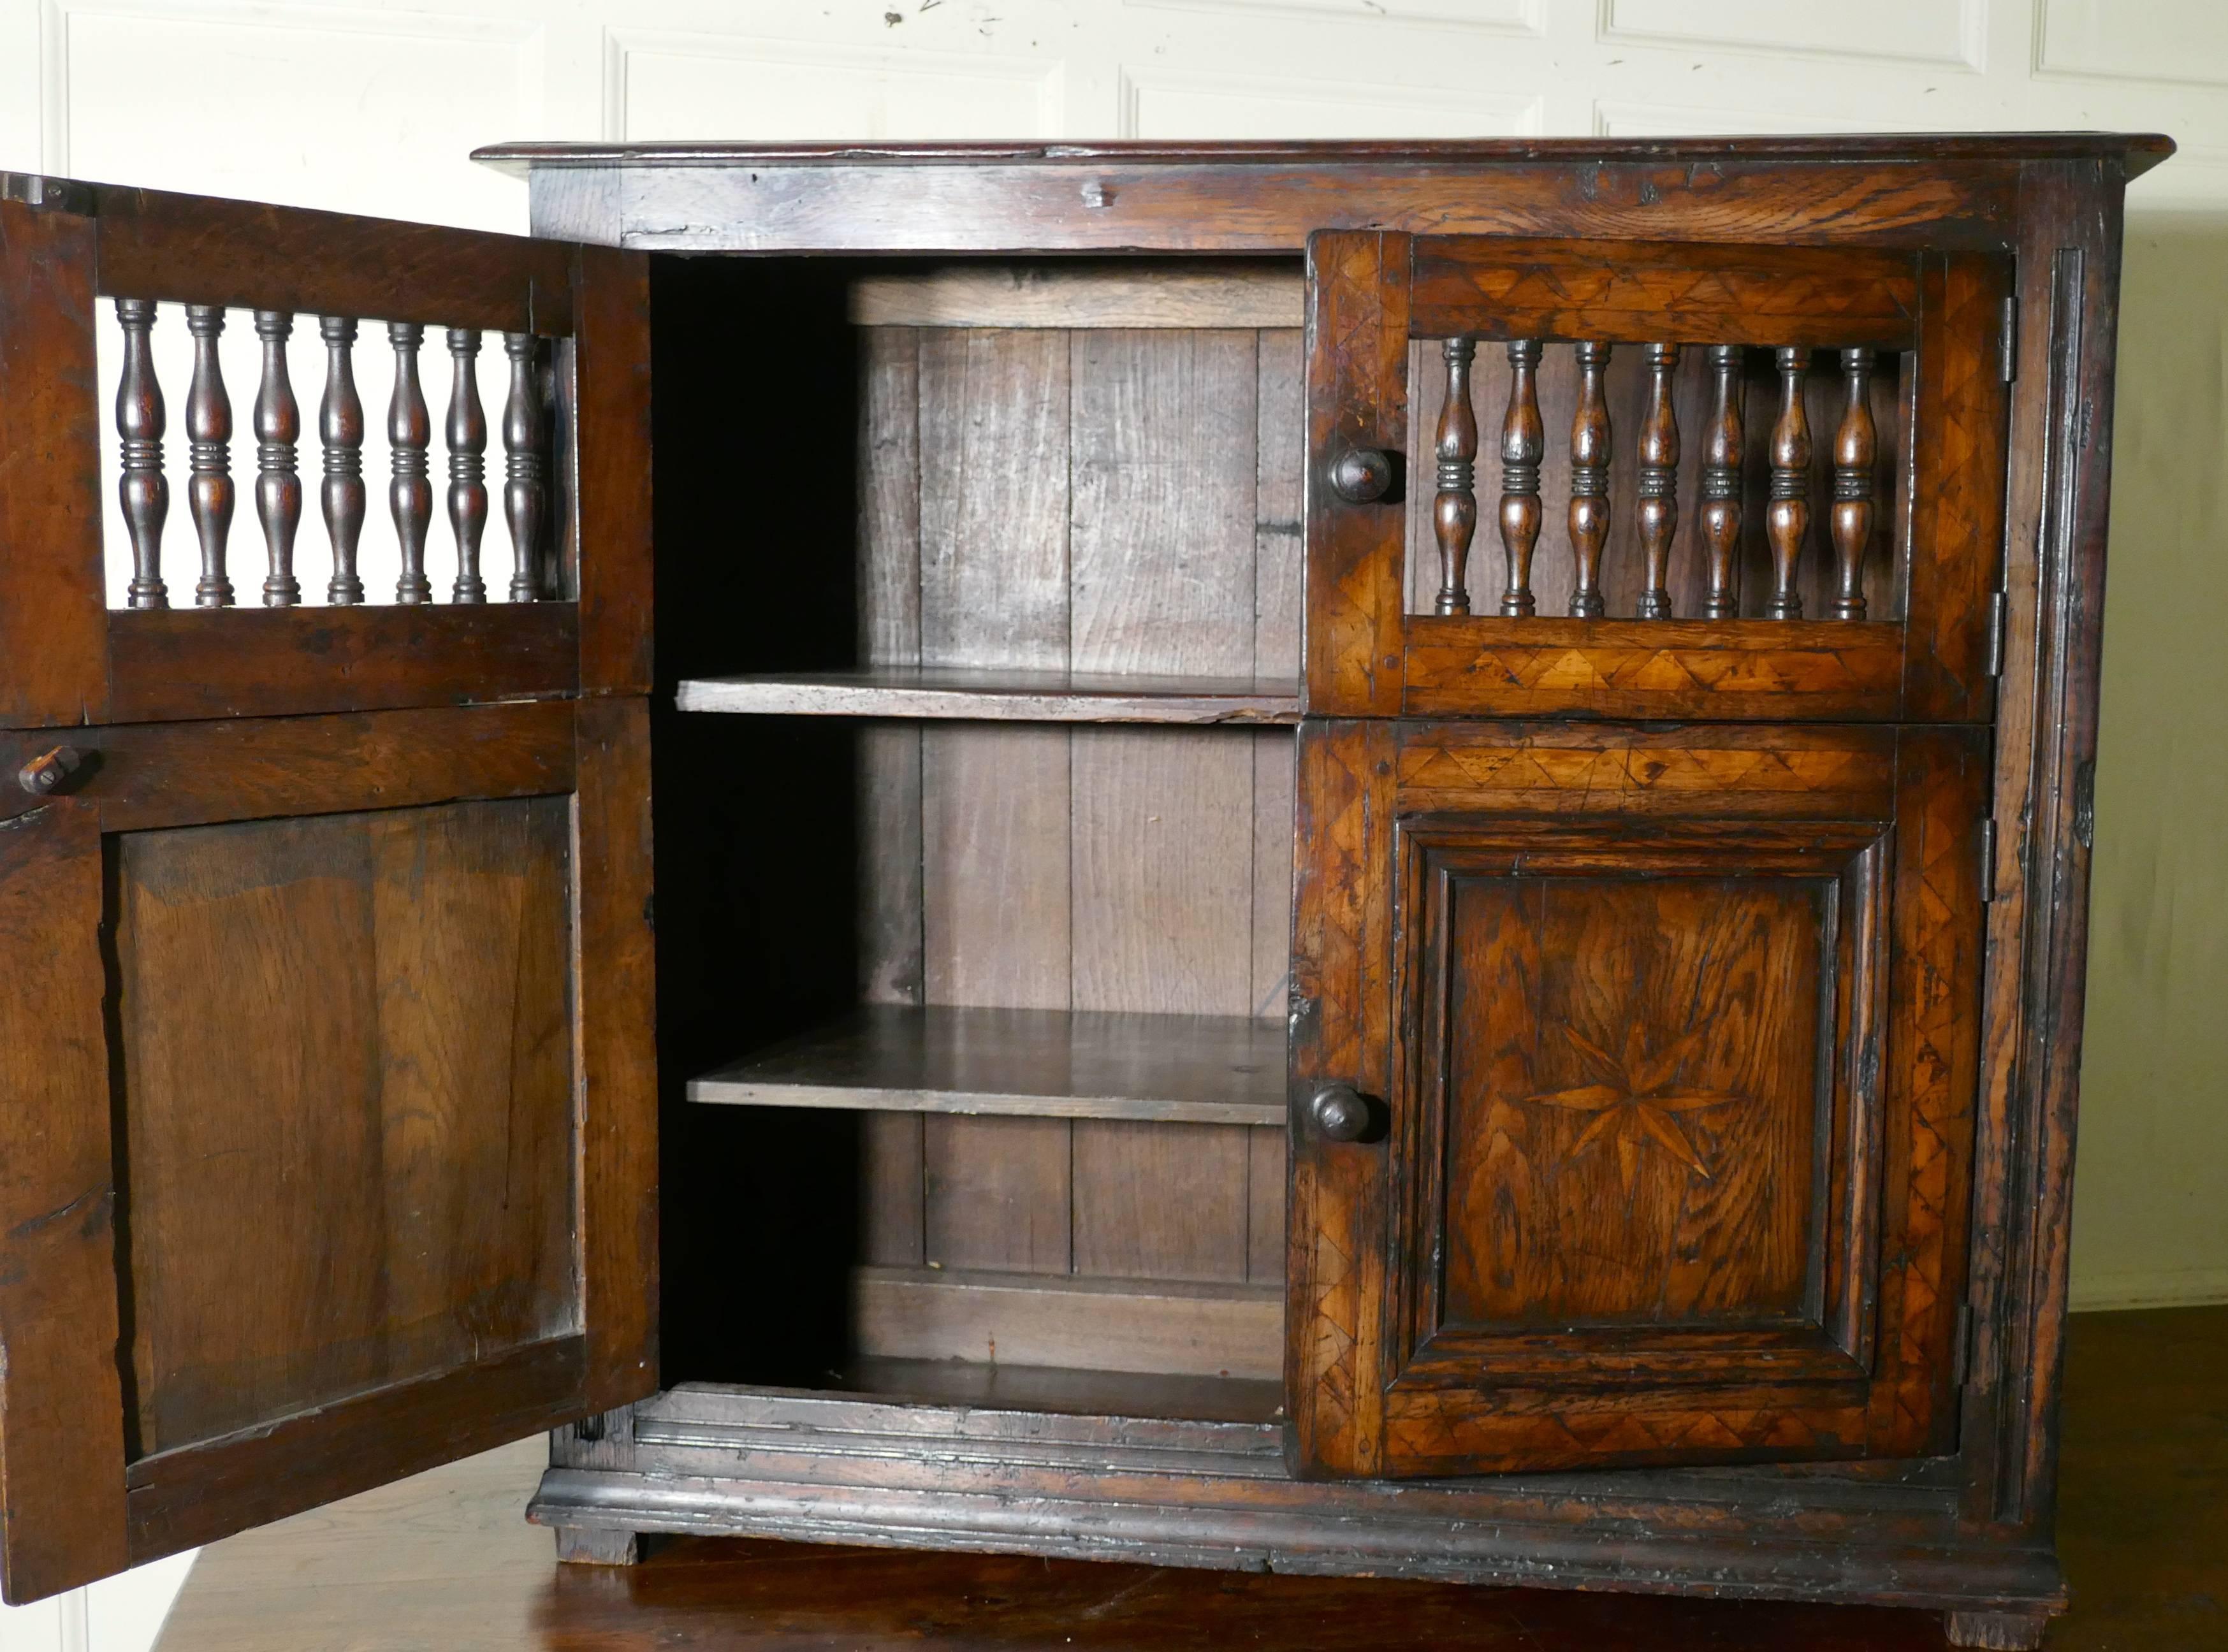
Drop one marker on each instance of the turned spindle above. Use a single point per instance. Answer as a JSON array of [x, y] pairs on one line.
[[524, 468], [1721, 484], [142, 489], [409, 433], [340, 429], [209, 445], [1787, 519], [1523, 443], [1659, 483], [1454, 514], [278, 483], [468, 435], [1855, 446], [1589, 439]]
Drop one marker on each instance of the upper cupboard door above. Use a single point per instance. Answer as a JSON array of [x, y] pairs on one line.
[[1649, 479], [1634, 1073], [327, 1113]]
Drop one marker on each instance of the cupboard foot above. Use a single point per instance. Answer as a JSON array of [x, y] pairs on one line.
[[1996, 1631], [588, 1545]]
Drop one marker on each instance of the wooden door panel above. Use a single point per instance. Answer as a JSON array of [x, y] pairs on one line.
[[340, 1035], [331, 1128], [1676, 1077], [1623, 517]]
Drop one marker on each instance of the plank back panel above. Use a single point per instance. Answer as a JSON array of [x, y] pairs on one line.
[[313, 1112]]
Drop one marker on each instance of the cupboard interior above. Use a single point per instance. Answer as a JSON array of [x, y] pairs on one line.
[[971, 1028]]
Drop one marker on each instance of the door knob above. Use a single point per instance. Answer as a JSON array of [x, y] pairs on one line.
[[1361, 475], [50, 771], [1339, 1113]]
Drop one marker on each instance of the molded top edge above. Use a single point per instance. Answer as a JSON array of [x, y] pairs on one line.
[[2139, 151]]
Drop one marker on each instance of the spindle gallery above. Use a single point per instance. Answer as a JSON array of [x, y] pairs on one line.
[[1369, 857], [144, 491], [1713, 388]]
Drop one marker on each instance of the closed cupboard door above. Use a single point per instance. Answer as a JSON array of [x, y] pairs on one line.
[[1634, 1074], [1652, 479], [327, 1144]]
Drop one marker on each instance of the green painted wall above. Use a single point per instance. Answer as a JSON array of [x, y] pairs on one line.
[[2150, 1222]]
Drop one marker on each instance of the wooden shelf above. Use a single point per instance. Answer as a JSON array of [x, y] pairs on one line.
[[1037, 1063], [999, 696], [980, 1386], [1155, 1327]]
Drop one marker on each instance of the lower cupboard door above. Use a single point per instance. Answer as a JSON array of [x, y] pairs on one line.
[[1633, 1081]]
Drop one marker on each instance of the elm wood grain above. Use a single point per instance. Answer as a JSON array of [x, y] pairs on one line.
[[606, 401], [142, 489], [340, 431], [2138, 151], [1550, 769], [614, 1052], [1710, 669], [2038, 921], [995, 451], [1598, 1157], [209, 493], [1341, 1029], [277, 480], [1720, 520], [1589, 510], [1063, 1390], [1215, 201], [1630, 288], [1856, 446], [309, 1136], [143, 776], [713, 1459], [410, 494], [1658, 484], [1162, 1326], [1454, 517], [525, 465], [467, 434], [1042, 1063], [52, 605], [183, 1499], [993, 695], [62, 1434], [1252, 293], [1787, 519], [207, 250], [1522, 442], [1358, 353], [1957, 509], [292, 661], [444, 1557]]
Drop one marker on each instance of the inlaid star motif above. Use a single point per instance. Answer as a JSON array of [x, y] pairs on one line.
[[1634, 1101]]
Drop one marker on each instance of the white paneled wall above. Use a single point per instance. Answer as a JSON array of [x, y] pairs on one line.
[[371, 107]]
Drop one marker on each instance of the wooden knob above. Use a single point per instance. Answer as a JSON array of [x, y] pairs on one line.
[[1339, 1113], [1361, 475], [50, 771]]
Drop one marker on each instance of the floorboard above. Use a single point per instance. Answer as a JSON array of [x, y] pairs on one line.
[[444, 1561]]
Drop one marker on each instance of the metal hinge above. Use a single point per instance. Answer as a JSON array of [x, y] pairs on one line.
[[2008, 339], [1999, 610], [1988, 859], [1960, 1352]]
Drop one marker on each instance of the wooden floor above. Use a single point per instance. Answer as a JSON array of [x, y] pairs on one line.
[[445, 1562]]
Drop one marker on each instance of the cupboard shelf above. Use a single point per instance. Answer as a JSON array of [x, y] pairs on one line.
[[999, 696], [1032, 1063]]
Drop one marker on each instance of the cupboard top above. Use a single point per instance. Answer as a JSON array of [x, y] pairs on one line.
[[2139, 151], [1951, 192]]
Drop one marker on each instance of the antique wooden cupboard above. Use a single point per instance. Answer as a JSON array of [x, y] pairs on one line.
[[1369, 857]]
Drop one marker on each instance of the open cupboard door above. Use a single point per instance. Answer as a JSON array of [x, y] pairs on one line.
[[327, 1109], [1634, 1053]]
